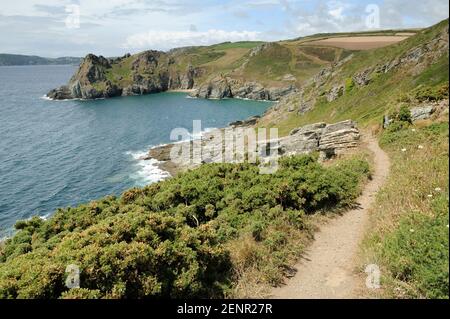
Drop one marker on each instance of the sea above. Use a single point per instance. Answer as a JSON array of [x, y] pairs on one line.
[[64, 153]]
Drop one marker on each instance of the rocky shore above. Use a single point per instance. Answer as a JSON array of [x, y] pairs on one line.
[[329, 140], [156, 71]]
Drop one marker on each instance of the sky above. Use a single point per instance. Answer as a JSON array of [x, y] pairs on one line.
[[54, 28]]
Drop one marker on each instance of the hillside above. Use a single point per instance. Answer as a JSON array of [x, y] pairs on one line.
[[369, 84], [254, 70], [15, 59]]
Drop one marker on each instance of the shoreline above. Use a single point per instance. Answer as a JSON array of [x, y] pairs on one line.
[[180, 91], [161, 153]]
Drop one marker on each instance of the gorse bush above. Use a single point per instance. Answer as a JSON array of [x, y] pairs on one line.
[[431, 93], [349, 85], [404, 114], [178, 238]]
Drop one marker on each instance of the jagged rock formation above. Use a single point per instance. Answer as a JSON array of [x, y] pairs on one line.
[[223, 87], [329, 139], [421, 112], [147, 72]]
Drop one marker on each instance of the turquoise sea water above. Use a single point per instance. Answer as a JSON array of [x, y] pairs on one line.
[[63, 153]]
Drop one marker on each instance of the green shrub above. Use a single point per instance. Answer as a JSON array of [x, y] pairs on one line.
[[349, 85], [431, 93], [168, 239], [404, 114]]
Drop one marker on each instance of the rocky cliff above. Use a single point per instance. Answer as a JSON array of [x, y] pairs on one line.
[[329, 140], [267, 71], [226, 87], [147, 72]]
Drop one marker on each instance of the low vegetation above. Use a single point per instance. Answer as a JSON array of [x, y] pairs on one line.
[[211, 232], [409, 237], [368, 103]]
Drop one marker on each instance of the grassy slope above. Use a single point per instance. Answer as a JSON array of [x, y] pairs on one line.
[[409, 233], [233, 60], [367, 105]]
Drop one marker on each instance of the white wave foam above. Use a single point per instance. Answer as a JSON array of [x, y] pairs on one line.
[[45, 97], [46, 216], [147, 170]]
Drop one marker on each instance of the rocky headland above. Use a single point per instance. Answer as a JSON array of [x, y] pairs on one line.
[[267, 71], [329, 140]]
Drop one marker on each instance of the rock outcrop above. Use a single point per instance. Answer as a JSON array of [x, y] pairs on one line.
[[223, 87], [329, 140], [336, 92], [144, 73], [421, 112]]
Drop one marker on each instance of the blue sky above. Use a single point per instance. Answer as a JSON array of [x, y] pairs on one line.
[[113, 27]]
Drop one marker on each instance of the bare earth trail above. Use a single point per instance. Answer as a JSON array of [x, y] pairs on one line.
[[327, 269]]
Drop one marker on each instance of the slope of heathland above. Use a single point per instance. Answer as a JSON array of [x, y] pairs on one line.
[[369, 84]]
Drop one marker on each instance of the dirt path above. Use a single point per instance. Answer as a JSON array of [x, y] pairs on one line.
[[327, 270]]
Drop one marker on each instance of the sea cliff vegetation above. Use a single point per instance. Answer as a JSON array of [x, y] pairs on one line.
[[205, 233]]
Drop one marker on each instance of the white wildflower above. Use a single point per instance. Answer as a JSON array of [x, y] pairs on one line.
[[437, 189], [403, 150], [411, 230], [429, 196], [420, 147]]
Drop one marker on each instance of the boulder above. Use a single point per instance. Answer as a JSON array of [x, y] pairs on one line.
[[61, 93], [336, 92], [363, 78], [339, 140], [421, 113], [328, 139]]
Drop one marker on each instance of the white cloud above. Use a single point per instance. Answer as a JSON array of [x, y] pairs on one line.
[[172, 39]]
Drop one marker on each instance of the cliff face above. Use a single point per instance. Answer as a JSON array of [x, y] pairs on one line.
[[148, 72], [226, 87], [259, 71]]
